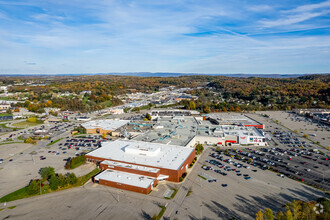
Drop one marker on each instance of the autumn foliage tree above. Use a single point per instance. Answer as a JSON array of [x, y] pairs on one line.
[[312, 210]]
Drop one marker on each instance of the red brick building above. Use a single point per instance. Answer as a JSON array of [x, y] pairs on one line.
[[149, 160]]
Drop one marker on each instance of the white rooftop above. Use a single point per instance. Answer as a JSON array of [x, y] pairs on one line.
[[130, 166], [144, 153], [125, 178], [106, 124], [233, 118]]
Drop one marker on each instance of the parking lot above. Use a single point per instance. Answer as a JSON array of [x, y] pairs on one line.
[[301, 165], [52, 130], [92, 201], [316, 131], [25, 160], [240, 191], [292, 154]]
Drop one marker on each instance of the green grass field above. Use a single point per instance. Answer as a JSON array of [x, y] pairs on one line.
[[18, 194], [5, 114], [107, 103], [4, 126], [25, 124]]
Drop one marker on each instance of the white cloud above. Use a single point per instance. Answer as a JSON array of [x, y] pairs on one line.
[[116, 36], [47, 17], [259, 8], [309, 7], [292, 19], [298, 15]]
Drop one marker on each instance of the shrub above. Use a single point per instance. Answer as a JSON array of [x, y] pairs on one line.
[[32, 120], [75, 162], [61, 180], [183, 176], [81, 130], [29, 140], [47, 172], [199, 148], [148, 116], [33, 187], [193, 162], [71, 178], [53, 182]]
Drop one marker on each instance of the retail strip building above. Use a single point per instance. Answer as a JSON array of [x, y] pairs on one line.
[[138, 166], [103, 126]]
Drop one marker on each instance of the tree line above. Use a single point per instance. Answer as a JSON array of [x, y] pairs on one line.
[[220, 93], [299, 210]]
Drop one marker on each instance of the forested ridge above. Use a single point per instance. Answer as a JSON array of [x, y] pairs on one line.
[[219, 93]]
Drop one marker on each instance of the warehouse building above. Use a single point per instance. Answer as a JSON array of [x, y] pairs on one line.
[[103, 126], [234, 119], [173, 113], [148, 162]]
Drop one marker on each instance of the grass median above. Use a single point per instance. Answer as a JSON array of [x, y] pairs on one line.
[[160, 214], [54, 142]]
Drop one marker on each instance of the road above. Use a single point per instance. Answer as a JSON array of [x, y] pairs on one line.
[[175, 204]]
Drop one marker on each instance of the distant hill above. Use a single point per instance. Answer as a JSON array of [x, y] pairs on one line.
[[160, 74], [166, 74]]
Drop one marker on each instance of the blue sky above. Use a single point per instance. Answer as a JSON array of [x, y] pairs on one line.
[[220, 36]]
